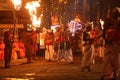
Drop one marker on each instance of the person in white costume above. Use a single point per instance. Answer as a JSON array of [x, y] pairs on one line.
[[49, 40]]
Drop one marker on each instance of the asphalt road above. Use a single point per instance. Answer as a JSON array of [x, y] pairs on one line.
[[42, 70]]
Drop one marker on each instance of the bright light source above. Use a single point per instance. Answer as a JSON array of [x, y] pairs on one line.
[[32, 8], [17, 4]]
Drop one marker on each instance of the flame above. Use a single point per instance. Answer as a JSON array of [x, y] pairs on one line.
[[36, 21], [17, 4], [32, 8]]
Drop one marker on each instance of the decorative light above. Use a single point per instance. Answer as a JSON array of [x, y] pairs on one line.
[[73, 26]]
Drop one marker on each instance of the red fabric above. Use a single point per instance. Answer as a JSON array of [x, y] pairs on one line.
[[49, 39], [1, 54], [22, 50], [57, 36], [13, 55], [62, 39]]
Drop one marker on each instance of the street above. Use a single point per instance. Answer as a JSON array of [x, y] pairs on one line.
[[42, 70]]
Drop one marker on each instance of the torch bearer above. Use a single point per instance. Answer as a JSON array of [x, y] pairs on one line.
[[17, 6], [32, 8]]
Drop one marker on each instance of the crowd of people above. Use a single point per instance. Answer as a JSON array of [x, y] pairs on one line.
[[95, 43], [58, 46]]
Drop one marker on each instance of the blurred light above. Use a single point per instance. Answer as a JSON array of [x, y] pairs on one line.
[[17, 4], [74, 26], [29, 74], [32, 8], [15, 79]]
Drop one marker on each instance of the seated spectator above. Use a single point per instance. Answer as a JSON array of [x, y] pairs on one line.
[[2, 46], [16, 48], [21, 49], [13, 55]]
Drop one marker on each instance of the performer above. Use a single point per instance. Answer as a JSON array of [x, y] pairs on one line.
[[112, 45], [56, 42], [49, 40], [88, 57], [34, 44], [28, 43], [65, 49]]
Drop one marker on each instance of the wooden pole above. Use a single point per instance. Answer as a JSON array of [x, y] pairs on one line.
[[14, 20]]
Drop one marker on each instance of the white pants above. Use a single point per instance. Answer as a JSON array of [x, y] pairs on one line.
[[69, 55], [49, 52], [66, 55], [88, 57]]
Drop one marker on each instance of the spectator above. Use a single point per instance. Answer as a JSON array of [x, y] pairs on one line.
[[22, 49], [8, 49], [2, 46]]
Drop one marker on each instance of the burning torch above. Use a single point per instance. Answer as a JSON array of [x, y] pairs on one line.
[[32, 6], [17, 6]]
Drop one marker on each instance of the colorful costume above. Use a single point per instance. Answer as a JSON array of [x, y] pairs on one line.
[[49, 40]]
